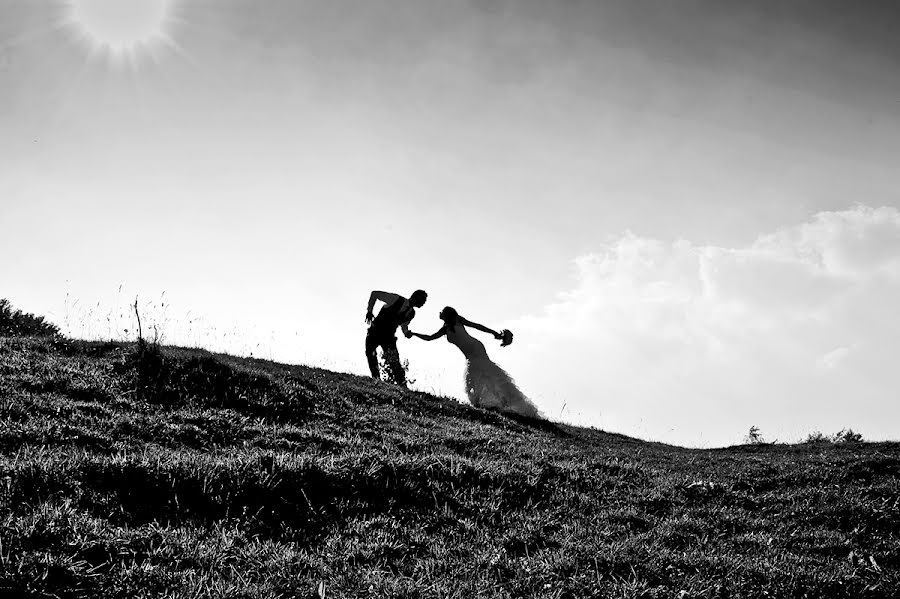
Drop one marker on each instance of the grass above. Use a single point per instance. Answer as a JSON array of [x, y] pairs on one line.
[[134, 471]]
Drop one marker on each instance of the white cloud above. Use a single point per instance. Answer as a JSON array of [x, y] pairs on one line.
[[833, 359], [689, 340], [852, 243]]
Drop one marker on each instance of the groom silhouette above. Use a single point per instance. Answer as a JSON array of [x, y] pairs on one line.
[[396, 312]]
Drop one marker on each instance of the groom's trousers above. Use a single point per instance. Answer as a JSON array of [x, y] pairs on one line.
[[394, 372]]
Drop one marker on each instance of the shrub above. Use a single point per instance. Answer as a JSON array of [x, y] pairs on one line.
[[387, 371], [151, 372], [16, 322], [817, 437], [846, 435], [754, 437]]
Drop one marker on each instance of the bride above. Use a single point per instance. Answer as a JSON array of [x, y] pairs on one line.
[[487, 385]]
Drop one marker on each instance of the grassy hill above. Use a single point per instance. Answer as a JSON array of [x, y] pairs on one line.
[[132, 471]]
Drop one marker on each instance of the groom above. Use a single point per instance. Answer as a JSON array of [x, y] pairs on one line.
[[396, 312]]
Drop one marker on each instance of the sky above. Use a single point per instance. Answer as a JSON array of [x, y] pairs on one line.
[[688, 213]]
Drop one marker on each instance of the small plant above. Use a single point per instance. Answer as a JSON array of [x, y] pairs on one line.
[[754, 437], [150, 365], [151, 371], [409, 379], [16, 322], [847, 435], [388, 370], [817, 437]]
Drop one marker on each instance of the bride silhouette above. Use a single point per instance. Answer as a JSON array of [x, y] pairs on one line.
[[487, 385]]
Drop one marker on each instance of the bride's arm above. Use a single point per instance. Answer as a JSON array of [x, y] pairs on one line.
[[480, 327], [441, 332]]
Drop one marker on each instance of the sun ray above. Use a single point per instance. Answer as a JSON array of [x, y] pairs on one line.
[[122, 33], [169, 42]]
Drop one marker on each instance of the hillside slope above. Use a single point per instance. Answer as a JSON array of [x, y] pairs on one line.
[[131, 472]]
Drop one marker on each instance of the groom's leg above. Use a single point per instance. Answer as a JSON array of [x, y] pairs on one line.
[[392, 363], [372, 356]]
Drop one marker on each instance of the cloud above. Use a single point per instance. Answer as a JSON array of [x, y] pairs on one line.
[[742, 332], [833, 359], [852, 243]]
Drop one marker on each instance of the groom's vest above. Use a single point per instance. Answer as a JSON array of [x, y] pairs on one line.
[[390, 317]]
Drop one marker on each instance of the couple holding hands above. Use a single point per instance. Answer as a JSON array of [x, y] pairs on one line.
[[487, 385]]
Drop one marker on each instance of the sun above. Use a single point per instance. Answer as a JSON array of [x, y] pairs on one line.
[[119, 27]]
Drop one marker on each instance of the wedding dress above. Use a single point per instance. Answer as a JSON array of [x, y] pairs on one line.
[[488, 385]]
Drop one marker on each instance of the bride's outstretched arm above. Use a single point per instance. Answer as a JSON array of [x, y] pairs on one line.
[[441, 332], [480, 327]]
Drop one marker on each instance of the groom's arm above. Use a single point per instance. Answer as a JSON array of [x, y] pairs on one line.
[[404, 326], [383, 296]]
